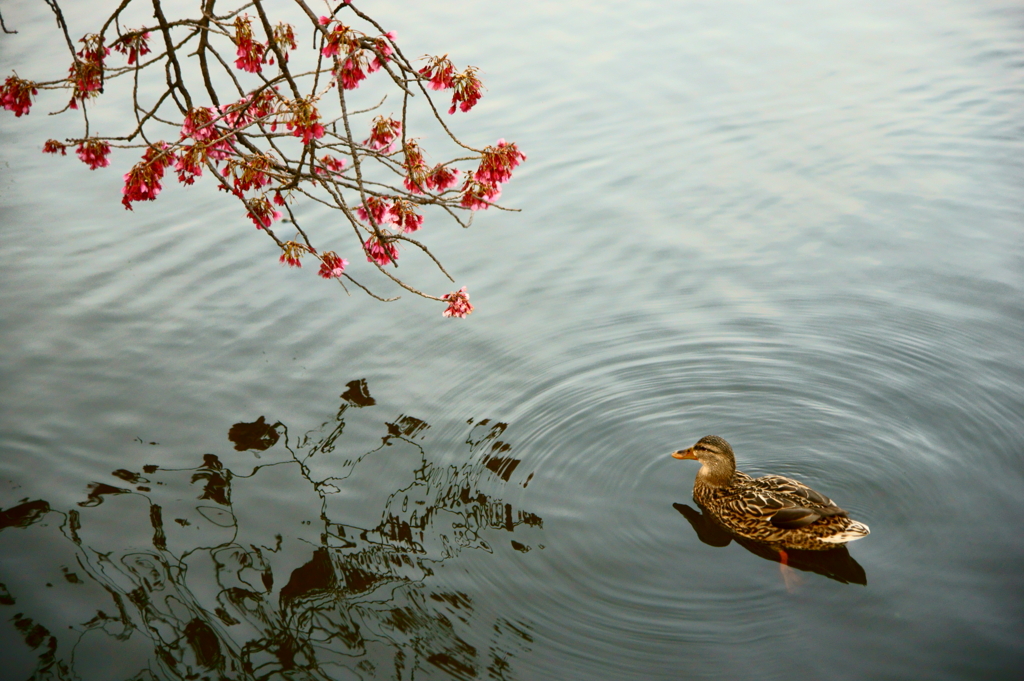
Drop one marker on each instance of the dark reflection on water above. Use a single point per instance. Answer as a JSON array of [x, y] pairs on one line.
[[359, 604], [836, 564]]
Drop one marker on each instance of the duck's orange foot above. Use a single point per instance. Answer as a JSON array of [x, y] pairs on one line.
[[790, 577]]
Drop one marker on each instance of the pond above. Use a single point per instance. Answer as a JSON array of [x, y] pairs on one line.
[[795, 225]]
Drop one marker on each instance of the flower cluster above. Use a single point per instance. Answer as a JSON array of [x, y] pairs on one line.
[[401, 213], [498, 162], [331, 266], [135, 44], [53, 147], [292, 253], [458, 304], [352, 70], [483, 187], [376, 211], [440, 72], [250, 172], [405, 217], [142, 182], [304, 120], [16, 95], [479, 195], [467, 90], [199, 124], [416, 168], [380, 252], [93, 153], [284, 36], [86, 72], [355, 56], [329, 164], [189, 162], [351, 62], [251, 108], [384, 133], [419, 175], [261, 212], [251, 53], [441, 178], [382, 49], [339, 40]]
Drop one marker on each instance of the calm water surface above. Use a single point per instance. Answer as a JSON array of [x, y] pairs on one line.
[[797, 225]]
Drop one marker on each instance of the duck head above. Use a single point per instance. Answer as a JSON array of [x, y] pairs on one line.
[[716, 457]]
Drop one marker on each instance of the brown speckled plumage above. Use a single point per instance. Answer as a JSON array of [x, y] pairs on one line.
[[771, 509]]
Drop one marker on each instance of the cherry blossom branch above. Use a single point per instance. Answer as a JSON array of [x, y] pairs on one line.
[[269, 150]]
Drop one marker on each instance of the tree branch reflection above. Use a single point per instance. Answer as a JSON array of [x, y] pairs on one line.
[[352, 601]]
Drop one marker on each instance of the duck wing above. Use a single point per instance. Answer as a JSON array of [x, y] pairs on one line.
[[799, 493], [785, 503], [794, 517]]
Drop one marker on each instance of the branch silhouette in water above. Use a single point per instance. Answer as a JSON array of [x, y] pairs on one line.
[[188, 562]]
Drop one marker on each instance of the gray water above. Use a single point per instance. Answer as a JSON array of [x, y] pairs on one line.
[[796, 225]]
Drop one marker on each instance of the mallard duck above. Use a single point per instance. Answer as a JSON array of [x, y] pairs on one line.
[[774, 510]]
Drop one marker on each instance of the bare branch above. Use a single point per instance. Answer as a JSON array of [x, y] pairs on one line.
[[4, 25]]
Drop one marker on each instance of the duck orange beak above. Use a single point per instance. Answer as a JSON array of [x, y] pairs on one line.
[[684, 454]]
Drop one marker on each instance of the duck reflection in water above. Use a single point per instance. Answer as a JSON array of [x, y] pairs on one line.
[[354, 599], [836, 564]]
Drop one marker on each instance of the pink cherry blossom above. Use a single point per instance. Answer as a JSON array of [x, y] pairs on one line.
[[199, 125], [261, 212], [134, 44], [142, 182], [292, 253], [458, 304], [442, 178], [250, 172], [16, 95], [352, 70], [382, 253], [189, 163], [308, 130], [415, 167], [87, 71], [251, 52], [467, 90], [384, 133], [405, 217], [331, 266], [53, 147], [439, 71], [479, 195], [383, 50], [304, 121], [377, 208], [94, 153], [284, 36], [498, 162], [250, 108], [340, 40], [329, 164]]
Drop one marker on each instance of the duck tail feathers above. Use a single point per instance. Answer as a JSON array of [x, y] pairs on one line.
[[851, 532]]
